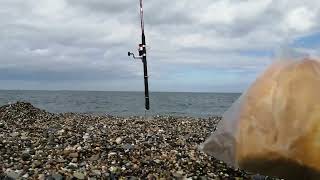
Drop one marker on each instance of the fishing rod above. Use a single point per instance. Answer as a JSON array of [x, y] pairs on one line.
[[143, 56]]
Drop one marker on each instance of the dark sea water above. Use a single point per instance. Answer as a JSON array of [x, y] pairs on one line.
[[124, 103]]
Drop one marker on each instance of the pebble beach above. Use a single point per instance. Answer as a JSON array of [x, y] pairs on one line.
[[35, 144]]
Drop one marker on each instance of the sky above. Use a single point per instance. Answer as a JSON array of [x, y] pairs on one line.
[[193, 46]]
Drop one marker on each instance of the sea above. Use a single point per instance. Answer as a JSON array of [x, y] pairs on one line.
[[124, 103]]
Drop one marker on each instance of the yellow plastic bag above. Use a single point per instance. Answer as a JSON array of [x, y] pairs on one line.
[[274, 127]]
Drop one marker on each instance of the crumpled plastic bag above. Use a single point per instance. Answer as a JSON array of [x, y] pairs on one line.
[[274, 127]]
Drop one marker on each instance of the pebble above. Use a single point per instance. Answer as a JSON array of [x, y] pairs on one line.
[[119, 140], [11, 174], [96, 172], [74, 155], [24, 137], [95, 157], [41, 145], [25, 156], [2, 125], [73, 165], [14, 134], [25, 175], [57, 177], [178, 174], [112, 154], [86, 136], [41, 177], [127, 146], [36, 164], [79, 175]]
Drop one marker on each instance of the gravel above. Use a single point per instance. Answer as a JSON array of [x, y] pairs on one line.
[[35, 144]]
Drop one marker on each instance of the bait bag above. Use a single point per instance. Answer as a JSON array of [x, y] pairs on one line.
[[274, 127]]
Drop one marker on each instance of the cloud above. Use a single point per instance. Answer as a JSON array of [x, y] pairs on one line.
[[84, 42]]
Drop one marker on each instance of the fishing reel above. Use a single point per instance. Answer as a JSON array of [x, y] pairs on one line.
[[141, 50]]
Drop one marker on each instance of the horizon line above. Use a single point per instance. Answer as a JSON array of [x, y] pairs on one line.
[[119, 91]]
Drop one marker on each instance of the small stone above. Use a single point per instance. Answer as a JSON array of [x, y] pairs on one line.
[[74, 155], [73, 165], [79, 175], [14, 134], [113, 169], [74, 160], [57, 177], [258, 177], [41, 177], [104, 169], [61, 132], [86, 136], [24, 137], [151, 177], [66, 151], [25, 156], [91, 128], [96, 172], [119, 140], [11, 174], [95, 157], [178, 174], [211, 175], [61, 161], [127, 146], [112, 154], [36, 164], [25, 175], [133, 178], [49, 178], [135, 166]]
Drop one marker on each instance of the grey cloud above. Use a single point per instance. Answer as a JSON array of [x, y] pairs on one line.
[[118, 6], [87, 40]]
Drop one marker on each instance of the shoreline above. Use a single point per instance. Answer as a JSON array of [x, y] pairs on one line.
[[35, 144]]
